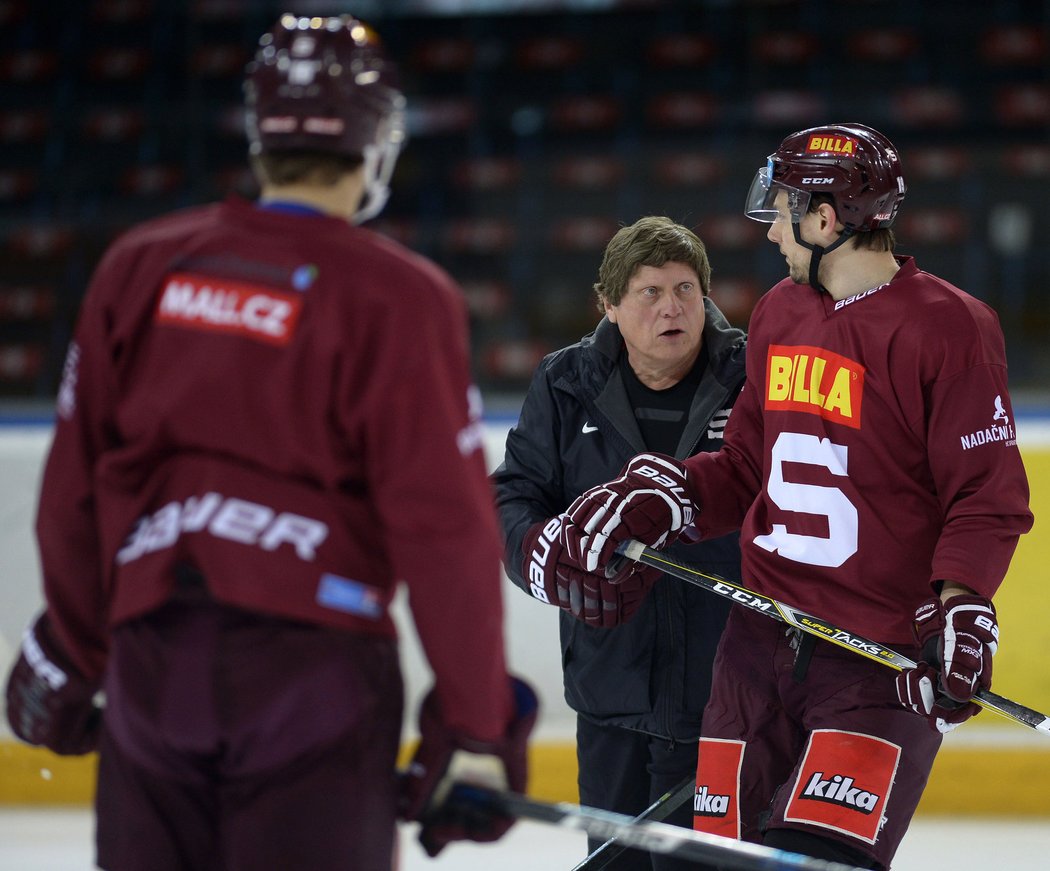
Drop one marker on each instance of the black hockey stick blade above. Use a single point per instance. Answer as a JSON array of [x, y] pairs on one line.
[[648, 835], [658, 811], [638, 552]]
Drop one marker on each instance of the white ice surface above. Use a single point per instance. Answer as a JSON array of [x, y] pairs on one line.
[[60, 840]]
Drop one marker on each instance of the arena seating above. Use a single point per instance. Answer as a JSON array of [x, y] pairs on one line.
[[532, 138]]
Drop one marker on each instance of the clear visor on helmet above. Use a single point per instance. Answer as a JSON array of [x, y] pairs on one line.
[[767, 201]]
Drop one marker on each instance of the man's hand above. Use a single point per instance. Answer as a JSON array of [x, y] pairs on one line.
[[959, 637], [445, 757], [594, 599], [648, 502], [606, 602], [49, 704]]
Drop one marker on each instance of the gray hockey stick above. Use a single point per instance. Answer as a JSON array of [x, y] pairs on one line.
[[658, 811], [635, 550], [655, 837]]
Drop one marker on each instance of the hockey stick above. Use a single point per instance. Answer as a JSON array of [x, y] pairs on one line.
[[658, 811], [635, 550], [655, 837]]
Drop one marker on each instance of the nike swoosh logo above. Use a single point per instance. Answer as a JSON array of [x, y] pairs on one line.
[[588, 428]]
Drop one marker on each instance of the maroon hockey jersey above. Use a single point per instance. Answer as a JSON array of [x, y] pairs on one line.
[[872, 452], [283, 401]]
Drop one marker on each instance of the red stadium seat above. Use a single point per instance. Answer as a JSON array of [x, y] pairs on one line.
[[41, 241], [237, 179], [736, 297], [1023, 105], [1027, 161], [487, 174], [219, 61], [27, 303], [681, 50], [934, 162], [514, 359], [683, 109], [123, 64], [21, 362], [28, 66], [403, 230], [17, 184], [789, 108], [487, 299], [689, 169], [587, 114], [113, 124], [785, 47], [889, 45], [591, 171], [151, 180], [441, 116], [444, 55], [12, 12], [928, 107], [121, 11], [228, 10], [731, 231], [479, 236], [934, 226], [582, 233], [1015, 46], [550, 53], [29, 125]]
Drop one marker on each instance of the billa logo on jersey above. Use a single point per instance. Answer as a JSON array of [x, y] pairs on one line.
[[831, 145], [844, 783], [224, 306], [814, 381]]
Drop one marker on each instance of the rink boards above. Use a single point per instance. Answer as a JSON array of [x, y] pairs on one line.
[[989, 767]]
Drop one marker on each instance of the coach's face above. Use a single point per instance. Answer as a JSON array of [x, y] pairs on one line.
[[661, 319]]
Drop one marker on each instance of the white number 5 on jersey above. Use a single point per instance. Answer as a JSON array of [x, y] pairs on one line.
[[829, 502]]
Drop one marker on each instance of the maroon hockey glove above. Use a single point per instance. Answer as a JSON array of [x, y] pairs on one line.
[[959, 637], [542, 551], [917, 688], [445, 757], [49, 703], [648, 502], [594, 599], [603, 602]]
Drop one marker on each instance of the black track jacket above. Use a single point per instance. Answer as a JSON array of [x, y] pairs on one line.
[[576, 430]]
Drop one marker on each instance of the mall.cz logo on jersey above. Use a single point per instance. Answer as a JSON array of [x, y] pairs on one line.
[[814, 381], [840, 790], [233, 307]]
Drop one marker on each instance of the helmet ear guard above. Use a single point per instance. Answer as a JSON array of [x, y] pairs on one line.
[[324, 85]]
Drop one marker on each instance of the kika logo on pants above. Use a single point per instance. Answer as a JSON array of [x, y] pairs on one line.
[[706, 804], [841, 791]]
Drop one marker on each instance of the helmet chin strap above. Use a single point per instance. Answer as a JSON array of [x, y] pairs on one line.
[[818, 252]]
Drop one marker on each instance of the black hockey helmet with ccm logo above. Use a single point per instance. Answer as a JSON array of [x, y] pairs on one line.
[[856, 166], [324, 84]]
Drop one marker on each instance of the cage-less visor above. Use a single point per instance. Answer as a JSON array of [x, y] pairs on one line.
[[761, 198]]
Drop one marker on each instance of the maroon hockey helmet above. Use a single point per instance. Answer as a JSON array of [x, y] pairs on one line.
[[324, 84], [856, 166]]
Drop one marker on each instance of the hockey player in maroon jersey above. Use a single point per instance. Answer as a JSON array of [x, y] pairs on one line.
[[871, 465], [265, 422]]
